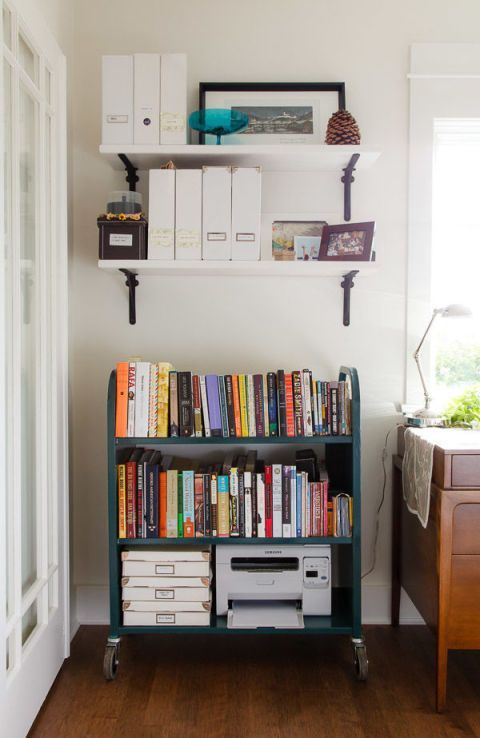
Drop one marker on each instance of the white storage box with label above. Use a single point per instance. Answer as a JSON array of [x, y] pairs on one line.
[[184, 553], [188, 214], [246, 213], [117, 99], [166, 618], [173, 99], [159, 581], [170, 594], [165, 568], [161, 214], [165, 606], [146, 99], [217, 213]]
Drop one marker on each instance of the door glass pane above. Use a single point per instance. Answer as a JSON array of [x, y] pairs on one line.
[[28, 119], [7, 27], [29, 622], [7, 220], [27, 58], [49, 235], [48, 85]]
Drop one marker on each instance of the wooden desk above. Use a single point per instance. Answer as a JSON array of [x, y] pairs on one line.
[[439, 566]]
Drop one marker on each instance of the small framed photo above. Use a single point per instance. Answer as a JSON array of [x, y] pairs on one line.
[[347, 242], [297, 239]]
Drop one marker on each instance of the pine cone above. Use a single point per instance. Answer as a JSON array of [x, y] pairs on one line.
[[342, 129]]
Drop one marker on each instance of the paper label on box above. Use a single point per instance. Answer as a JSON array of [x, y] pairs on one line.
[[188, 239], [117, 118], [121, 239], [162, 237], [164, 569], [161, 618], [172, 122], [245, 237], [216, 236], [164, 594]]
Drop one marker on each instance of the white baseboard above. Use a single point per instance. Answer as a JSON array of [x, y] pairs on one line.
[[93, 608]]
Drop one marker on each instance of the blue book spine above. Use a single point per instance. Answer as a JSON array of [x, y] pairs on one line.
[[299, 505], [272, 404], [188, 499], [223, 405], [152, 500], [213, 399]]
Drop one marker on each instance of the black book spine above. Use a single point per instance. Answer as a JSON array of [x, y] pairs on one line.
[[286, 503], [272, 404], [254, 506], [297, 402], [152, 500], [259, 405], [241, 504], [206, 504], [185, 403], [334, 401], [282, 402], [230, 407], [173, 403]]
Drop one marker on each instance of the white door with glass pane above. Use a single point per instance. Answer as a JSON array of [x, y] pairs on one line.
[[34, 626]]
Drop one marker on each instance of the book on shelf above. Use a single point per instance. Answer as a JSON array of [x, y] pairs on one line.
[[155, 400], [182, 498]]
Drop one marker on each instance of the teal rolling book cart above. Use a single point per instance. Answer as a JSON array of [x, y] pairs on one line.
[[342, 454]]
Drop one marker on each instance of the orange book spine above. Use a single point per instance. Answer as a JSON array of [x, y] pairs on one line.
[[162, 508], [289, 405], [121, 407], [236, 406]]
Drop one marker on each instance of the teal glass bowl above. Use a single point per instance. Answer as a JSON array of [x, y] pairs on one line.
[[218, 122]]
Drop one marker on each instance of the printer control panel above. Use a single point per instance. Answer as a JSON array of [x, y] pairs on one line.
[[316, 572]]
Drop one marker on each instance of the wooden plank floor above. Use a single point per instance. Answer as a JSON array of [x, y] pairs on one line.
[[260, 687]]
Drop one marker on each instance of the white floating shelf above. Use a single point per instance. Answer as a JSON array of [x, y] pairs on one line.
[[269, 268], [273, 157]]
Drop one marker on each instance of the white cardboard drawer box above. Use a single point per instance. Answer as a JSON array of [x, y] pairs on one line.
[[165, 606], [166, 568], [166, 618], [169, 582], [162, 554], [167, 594]]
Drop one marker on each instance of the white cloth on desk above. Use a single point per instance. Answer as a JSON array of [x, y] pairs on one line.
[[417, 470]]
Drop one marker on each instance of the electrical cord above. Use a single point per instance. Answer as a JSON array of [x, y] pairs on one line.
[[380, 504]]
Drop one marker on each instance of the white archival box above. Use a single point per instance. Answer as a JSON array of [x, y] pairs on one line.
[[117, 99], [146, 96], [217, 213], [161, 214], [188, 214], [173, 99], [246, 213]]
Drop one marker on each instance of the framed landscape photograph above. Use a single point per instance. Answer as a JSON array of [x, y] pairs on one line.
[[347, 242], [278, 113], [296, 239]]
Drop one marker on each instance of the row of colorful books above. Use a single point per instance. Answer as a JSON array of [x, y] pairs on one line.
[[162, 498], [154, 400]]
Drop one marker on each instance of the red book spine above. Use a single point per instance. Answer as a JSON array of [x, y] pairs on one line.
[[131, 498], [199, 506], [325, 508], [162, 507], [268, 503], [289, 406], [317, 509]]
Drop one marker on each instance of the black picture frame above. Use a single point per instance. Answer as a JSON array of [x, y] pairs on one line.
[[205, 87], [345, 229]]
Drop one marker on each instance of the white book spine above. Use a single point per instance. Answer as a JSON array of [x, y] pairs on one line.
[[173, 99], [146, 95], [188, 214], [247, 481], [307, 404], [246, 207], [252, 428], [293, 501], [142, 388], [117, 99], [277, 500], [131, 400], [265, 407], [161, 214], [203, 397], [217, 213], [261, 506]]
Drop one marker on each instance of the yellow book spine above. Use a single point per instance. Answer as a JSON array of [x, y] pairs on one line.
[[243, 404], [350, 513], [122, 502], [164, 369]]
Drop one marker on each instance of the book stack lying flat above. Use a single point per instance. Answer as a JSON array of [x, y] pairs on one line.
[[166, 586]]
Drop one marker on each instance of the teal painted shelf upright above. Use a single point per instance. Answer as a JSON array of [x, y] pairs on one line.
[[342, 456]]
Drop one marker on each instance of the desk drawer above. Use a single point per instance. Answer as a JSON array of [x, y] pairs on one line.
[[466, 529], [464, 606]]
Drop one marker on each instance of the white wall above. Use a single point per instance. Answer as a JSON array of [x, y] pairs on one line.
[[215, 325]]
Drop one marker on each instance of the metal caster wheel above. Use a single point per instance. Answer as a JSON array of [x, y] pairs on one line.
[[360, 662], [110, 661]]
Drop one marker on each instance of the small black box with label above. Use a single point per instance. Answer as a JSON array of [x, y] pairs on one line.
[[122, 239]]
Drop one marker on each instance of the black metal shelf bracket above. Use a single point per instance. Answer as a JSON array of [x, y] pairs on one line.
[[347, 180], [132, 283], [131, 171], [347, 285]]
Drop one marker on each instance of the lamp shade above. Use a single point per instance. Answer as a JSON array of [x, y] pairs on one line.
[[455, 311]]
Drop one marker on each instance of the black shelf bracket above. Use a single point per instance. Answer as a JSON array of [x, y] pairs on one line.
[[132, 283], [347, 180], [131, 171], [347, 285]]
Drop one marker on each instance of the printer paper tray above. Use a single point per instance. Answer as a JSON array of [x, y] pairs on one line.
[[271, 614]]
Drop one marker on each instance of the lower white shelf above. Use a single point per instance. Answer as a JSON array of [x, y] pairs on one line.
[[240, 268]]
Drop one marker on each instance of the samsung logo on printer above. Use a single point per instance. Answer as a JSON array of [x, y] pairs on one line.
[[273, 552]]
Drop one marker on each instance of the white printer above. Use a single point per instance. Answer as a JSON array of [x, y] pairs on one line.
[[272, 586]]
